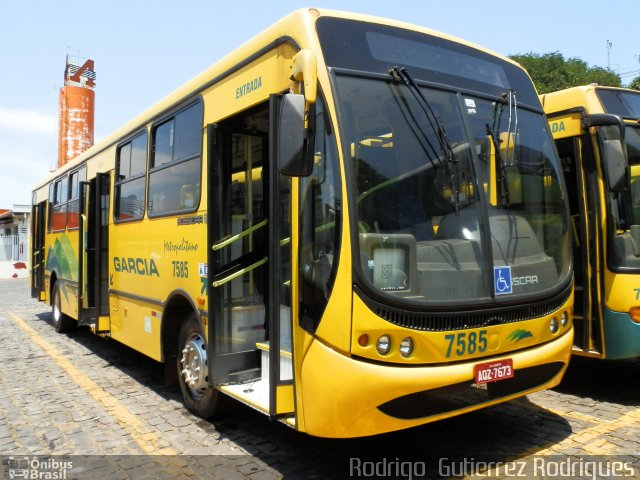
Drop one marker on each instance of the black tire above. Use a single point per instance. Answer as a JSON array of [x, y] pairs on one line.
[[61, 322], [198, 394]]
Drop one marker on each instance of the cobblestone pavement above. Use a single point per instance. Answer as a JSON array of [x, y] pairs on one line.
[[104, 408]]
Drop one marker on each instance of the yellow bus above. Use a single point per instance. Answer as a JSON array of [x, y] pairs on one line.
[[597, 132], [351, 224]]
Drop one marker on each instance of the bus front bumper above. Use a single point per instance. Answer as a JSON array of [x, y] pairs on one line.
[[344, 397]]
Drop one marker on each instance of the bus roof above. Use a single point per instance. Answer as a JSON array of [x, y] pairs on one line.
[[297, 26], [580, 96]]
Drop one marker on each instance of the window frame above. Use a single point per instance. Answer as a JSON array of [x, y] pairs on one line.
[[79, 178], [50, 201], [119, 182], [152, 169], [58, 202]]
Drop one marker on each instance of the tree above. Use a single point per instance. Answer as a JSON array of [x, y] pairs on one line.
[[635, 83], [551, 72]]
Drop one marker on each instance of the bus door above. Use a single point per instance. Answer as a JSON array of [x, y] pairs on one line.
[[249, 319], [582, 185], [93, 302], [38, 225]]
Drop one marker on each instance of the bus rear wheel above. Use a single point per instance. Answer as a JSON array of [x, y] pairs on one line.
[[61, 322], [198, 394]]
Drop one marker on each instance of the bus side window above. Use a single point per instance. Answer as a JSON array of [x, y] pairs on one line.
[[50, 203], [73, 206], [60, 204], [131, 169], [319, 224], [175, 168]]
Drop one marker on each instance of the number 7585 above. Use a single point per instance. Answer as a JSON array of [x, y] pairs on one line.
[[466, 343]]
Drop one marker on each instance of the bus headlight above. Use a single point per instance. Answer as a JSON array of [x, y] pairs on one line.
[[565, 319], [383, 345], [553, 325], [406, 347]]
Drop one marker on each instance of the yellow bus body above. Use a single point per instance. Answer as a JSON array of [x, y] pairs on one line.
[[158, 273], [610, 294]]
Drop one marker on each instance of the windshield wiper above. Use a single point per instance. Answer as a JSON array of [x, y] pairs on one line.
[[513, 106], [401, 74], [502, 165], [504, 190]]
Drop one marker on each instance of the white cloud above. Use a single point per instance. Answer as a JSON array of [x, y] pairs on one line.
[[31, 121], [25, 160], [14, 191]]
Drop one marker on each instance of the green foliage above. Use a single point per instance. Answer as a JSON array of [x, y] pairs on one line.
[[551, 72], [635, 83]]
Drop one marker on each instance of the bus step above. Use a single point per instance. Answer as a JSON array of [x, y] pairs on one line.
[[286, 364], [586, 353], [245, 376]]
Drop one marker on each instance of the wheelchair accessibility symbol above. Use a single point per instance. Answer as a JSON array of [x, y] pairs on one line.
[[502, 280]]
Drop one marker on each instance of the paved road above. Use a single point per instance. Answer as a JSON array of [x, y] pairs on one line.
[[103, 409]]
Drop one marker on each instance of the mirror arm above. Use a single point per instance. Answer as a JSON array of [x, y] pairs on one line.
[[305, 69], [604, 119]]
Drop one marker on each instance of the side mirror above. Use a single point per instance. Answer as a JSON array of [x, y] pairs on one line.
[[611, 132], [614, 160], [293, 159]]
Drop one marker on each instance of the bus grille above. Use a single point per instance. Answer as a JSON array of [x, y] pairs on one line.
[[465, 394], [446, 321]]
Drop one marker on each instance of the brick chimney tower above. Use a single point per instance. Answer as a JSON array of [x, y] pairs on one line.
[[77, 104]]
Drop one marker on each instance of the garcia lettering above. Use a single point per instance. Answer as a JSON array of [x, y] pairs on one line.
[[137, 266]]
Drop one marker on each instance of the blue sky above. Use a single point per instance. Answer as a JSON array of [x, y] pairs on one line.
[[144, 50]]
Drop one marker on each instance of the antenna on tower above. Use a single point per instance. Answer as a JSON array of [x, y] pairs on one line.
[[609, 45]]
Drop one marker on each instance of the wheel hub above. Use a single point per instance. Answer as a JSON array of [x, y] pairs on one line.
[[56, 308], [193, 364]]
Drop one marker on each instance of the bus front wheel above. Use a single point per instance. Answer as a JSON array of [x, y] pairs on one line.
[[61, 322], [193, 371]]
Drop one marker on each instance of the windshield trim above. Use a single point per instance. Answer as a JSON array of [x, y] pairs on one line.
[[485, 302], [350, 43], [620, 95], [347, 72]]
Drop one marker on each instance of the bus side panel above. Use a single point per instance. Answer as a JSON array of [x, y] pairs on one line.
[[622, 335], [136, 325], [250, 85], [62, 259], [149, 260], [566, 126]]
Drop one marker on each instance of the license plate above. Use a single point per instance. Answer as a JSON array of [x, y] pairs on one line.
[[493, 371]]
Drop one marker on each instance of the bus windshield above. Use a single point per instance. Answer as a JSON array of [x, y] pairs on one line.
[[625, 206], [625, 209], [632, 143], [457, 194]]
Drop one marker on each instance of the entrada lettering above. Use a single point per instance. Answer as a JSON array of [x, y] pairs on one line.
[[138, 266], [249, 87]]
